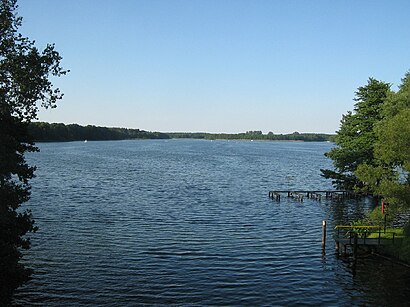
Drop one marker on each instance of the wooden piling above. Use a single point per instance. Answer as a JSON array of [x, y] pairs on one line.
[[324, 236], [299, 195]]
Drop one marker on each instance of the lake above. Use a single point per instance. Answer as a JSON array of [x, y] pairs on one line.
[[189, 222]]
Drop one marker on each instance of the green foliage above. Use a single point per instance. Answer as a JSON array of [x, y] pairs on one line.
[[24, 81], [398, 233], [374, 218], [394, 139], [389, 175], [397, 101], [356, 137]]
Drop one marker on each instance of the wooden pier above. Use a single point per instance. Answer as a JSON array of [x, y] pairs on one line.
[[349, 239], [299, 195]]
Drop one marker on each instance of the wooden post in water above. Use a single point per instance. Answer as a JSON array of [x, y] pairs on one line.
[[324, 236]]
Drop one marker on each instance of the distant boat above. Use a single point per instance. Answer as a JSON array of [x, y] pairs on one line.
[[85, 141]]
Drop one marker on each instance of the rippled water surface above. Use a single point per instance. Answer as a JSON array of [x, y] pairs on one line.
[[189, 222]]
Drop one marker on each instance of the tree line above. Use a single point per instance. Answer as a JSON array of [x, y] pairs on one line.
[[52, 132], [256, 135], [46, 132]]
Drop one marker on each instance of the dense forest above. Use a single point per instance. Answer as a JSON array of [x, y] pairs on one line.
[[46, 132], [255, 135]]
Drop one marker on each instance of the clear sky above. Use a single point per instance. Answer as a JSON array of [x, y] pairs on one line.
[[218, 65]]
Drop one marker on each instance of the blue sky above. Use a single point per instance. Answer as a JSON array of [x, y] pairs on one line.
[[218, 65]]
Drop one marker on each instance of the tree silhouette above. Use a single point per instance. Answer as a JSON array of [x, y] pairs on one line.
[[24, 85]]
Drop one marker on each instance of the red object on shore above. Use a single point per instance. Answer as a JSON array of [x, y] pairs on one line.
[[383, 207]]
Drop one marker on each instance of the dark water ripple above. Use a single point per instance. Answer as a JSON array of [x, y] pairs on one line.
[[186, 222]]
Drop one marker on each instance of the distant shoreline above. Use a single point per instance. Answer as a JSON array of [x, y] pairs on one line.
[[46, 132]]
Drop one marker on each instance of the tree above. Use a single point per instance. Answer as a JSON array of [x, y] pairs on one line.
[[390, 175], [356, 137], [24, 83]]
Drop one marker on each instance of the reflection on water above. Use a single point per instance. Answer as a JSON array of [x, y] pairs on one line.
[[344, 212], [383, 280], [189, 222]]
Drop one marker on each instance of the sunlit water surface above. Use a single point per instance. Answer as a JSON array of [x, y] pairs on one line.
[[189, 222]]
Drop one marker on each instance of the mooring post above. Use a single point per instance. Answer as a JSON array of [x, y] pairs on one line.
[[324, 236]]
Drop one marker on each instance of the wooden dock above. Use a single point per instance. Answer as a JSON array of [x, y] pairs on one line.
[[299, 195], [351, 239], [347, 236]]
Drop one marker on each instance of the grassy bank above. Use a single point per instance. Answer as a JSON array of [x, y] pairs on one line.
[[399, 248]]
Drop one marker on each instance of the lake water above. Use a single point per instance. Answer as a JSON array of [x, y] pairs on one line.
[[189, 222]]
